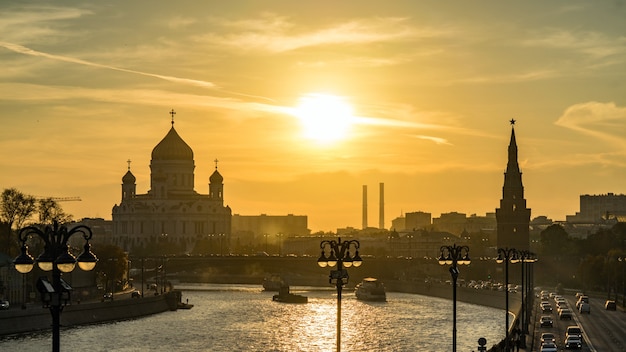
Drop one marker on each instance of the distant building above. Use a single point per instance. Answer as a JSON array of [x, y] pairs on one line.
[[172, 213], [599, 208], [417, 220], [255, 229], [513, 217]]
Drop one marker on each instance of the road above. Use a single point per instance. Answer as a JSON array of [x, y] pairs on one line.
[[603, 331]]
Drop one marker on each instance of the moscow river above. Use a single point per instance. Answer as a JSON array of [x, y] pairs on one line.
[[244, 318]]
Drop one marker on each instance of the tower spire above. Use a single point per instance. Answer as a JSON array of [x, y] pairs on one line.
[[513, 216]]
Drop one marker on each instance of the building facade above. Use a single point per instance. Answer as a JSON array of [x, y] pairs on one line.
[[171, 214]]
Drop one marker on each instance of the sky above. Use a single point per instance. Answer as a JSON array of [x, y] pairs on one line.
[[303, 103]]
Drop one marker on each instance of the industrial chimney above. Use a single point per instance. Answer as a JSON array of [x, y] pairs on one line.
[[364, 206], [381, 215]]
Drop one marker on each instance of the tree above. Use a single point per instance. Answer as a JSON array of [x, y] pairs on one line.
[[554, 240], [15, 209], [112, 265], [49, 211]]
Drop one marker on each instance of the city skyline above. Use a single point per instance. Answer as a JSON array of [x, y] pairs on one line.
[[417, 95]]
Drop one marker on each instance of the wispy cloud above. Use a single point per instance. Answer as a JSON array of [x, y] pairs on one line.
[[27, 51], [593, 44], [276, 34], [604, 121], [436, 140]]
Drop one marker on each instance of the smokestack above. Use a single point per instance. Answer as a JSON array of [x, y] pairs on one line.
[[381, 215], [364, 206]]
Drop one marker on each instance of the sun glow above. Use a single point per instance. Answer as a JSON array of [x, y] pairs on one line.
[[325, 118]]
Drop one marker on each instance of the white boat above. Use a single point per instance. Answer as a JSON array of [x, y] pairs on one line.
[[370, 289]]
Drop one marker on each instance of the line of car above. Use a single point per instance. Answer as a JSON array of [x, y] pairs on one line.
[[573, 335]]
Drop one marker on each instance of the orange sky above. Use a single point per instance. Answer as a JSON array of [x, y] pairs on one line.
[[431, 86]]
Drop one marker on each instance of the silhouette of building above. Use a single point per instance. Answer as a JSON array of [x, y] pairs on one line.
[[171, 214], [596, 209], [513, 217]]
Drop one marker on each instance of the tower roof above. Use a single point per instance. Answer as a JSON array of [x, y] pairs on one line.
[[129, 177], [172, 147], [216, 177]]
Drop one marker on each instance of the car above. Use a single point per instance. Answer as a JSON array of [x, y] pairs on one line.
[[574, 330], [135, 294], [582, 299], [584, 308], [107, 297], [546, 308], [4, 304], [573, 343], [565, 314], [547, 337], [546, 321], [610, 305], [548, 347]]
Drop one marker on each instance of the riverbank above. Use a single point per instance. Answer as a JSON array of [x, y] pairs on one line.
[[35, 318]]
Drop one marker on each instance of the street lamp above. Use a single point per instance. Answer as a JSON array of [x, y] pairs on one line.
[[453, 255], [506, 255], [524, 257], [339, 255], [58, 259]]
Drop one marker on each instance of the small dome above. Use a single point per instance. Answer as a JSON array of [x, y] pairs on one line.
[[129, 177], [172, 147], [216, 177]]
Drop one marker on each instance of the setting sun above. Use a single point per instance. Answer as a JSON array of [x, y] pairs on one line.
[[325, 118]]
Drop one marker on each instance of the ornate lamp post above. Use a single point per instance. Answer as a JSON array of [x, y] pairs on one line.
[[524, 257], [58, 259], [453, 255], [506, 255], [340, 256]]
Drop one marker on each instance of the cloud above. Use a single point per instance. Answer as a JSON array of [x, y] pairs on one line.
[[27, 51], [593, 44], [604, 121], [436, 140], [276, 34]]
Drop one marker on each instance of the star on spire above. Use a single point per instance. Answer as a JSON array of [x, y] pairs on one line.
[[512, 122]]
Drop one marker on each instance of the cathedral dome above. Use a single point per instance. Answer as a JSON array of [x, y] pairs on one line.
[[216, 177], [172, 147], [129, 178]]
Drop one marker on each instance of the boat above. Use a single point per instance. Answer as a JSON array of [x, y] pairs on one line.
[[184, 305], [370, 289], [273, 283], [285, 296]]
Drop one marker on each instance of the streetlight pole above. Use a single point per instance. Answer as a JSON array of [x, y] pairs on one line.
[[58, 259], [524, 257], [339, 255], [453, 255], [506, 255]]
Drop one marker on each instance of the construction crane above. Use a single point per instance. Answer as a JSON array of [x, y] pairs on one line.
[[61, 199]]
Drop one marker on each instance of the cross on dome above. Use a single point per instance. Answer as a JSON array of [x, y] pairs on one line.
[[172, 113]]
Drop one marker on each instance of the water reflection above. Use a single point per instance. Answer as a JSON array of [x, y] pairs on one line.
[[243, 318]]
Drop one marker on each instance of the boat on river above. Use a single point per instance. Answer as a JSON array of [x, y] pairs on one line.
[[285, 296], [273, 282], [370, 289]]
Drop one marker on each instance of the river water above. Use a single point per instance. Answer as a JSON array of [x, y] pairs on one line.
[[244, 318]]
